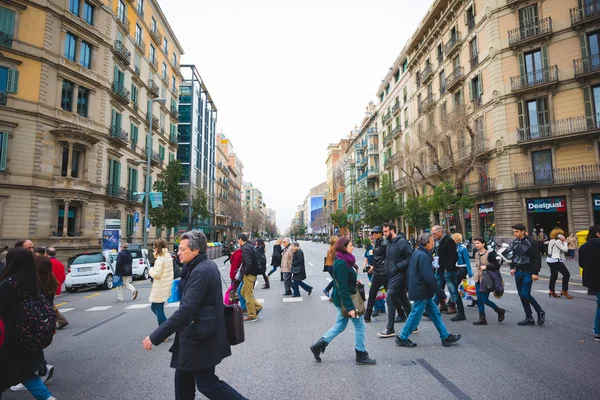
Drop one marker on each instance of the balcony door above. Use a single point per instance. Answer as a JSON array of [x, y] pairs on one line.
[[596, 101], [542, 167], [534, 68], [528, 21], [537, 118], [593, 50]]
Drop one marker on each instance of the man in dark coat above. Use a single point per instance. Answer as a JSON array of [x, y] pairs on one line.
[[377, 270], [398, 252], [199, 325], [250, 270], [422, 285], [589, 254], [299, 271], [446, 257], [124, 269]]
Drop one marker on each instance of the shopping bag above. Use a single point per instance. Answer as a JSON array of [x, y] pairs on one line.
[[117, 281], [175, 292]]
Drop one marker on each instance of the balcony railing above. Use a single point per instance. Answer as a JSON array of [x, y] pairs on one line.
[[157, 36], [452, 44], [361, 161], [532, 79], [174, 111], [471, 24], [375, 193], [153, 63], [117, 192], [155, 157], [529, 32], [388, 163], [557, 176], [587, 12], [396, 108], [427, 102], [586, 65], [137, 71], [426, 73], [132, 196], [155, 122], [372, 172], [173, 138], [387, 118], [456, 76], [3, 98], [122, 52], [372, 131], [362, 176], [474, 61], [559, 128], [477, 102], [140, 44], [397, 130], [153, 88], [123, 21], [481, 186], [119, 134], [6, 40], [121, 91]]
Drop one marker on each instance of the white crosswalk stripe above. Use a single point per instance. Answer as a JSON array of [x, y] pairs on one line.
[[511, 291], [64, 310], [292, 299], [172, 305], [99, 308], [261, 301], [137, 306], [324, 298]]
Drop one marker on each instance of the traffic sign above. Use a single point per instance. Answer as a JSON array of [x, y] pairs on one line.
[[136, 217]]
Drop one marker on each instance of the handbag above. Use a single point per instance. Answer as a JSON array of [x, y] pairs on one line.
[[357, 300], [175, 292], [238, 275], [117, 281], [325, 267], [234, 320], [487, 281]]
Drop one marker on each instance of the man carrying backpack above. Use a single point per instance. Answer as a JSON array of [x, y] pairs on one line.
[[250, 269]]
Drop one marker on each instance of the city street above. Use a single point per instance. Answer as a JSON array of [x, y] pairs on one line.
[[100, 355]]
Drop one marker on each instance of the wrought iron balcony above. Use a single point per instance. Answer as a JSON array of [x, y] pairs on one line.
[[155, 122], [474, 61], [387, 118], [362, 176], [155, 157], [157, 36], [174, 111], [372, 131], [140, 44], [455, 77], [587, 65], [123, 21], [173, 138], [396, 108], [471, 24], [452, 44], [153, 63], [137, 71], [117, 192], [566, 128], [586, 13], [122, 52], [373, 172], [119, 135], [530, 32], [153, 88], [397, 130], [132, 196], [427, 102], [6, 40], [557, 176], [426, 73], [3, 98], [361, 161], [389, 163], [534, 79], [481, 186], [121, 92]]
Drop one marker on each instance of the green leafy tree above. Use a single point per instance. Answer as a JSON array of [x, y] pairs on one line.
[[447, 197], [416, 212], [369, 207], [389, 206], [171, 214], [339, 218], [199, 208]]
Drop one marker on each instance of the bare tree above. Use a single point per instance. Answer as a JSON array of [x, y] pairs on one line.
[[254, 221]]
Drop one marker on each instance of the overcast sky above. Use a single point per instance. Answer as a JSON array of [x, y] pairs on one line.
[[288, 80]]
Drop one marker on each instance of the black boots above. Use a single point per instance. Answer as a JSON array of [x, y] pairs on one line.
[[318, 348], [266, 285], [482, 320], [473, 303], [362, 358], [500, 312]]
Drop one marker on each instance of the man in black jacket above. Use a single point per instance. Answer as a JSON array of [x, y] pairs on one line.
[[448, 257], [124, 270], [398, 253], [444, 259], [199, 325], [422, 285], [250, 270], [377, 270], [525, 267]]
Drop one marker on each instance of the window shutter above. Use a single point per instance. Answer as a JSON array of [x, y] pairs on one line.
[[471, 90], [522, 70], [12, 82], [466, 15], [584, 45], [473, 6], [480, 82], [545, 57], [135, 180], [118, 173], [116, 75], [7, 21], [522, 120], [3, 151], [587, 101], [111, 169]]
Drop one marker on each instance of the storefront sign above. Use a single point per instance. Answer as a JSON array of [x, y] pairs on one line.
[[112, 223], [550, 204], [596, 201], [485, 210]]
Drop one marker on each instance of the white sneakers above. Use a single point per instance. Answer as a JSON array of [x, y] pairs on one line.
[[20, 387]]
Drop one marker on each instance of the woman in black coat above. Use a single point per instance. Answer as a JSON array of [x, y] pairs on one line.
[[17, 366], [589, 254], [299, 271], [276, 258]]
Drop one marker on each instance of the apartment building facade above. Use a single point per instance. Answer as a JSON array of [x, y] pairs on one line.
[[197, 147], [65, 158]]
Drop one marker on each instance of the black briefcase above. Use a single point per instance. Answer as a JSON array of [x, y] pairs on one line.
[[234, 323]]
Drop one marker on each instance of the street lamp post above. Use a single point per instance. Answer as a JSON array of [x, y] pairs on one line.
[[148, 160]]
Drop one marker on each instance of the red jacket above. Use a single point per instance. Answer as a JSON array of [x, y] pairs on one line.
[[58, 269], [236, 263]]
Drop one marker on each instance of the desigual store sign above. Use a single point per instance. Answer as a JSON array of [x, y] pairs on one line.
[[547, 205], [486, 209]]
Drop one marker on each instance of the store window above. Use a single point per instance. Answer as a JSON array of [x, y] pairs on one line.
[[542, 167]]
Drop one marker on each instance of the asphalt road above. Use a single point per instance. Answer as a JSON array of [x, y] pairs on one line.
[[100, 356]]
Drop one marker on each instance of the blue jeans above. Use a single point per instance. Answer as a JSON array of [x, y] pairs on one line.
[[439, 277], [340, 326], [524, 282], [299, 284], [483, 299], [37, 388], [597, 321], [452, 282], [159, 310], [417, 313], [242, 300]]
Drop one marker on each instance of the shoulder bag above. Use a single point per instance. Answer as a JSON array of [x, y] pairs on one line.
[[357, 300], [234, 320]]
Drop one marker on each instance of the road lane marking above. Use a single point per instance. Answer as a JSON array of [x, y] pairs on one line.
[[173, 305], [311, 264], [137, 306], [92, 295], [324, 298], [451, 387], [64, 310], [511, 291], [101, 323], [291, 299], [99, 308], [261, 301], [60, 304], [579, 291], [328, 279]]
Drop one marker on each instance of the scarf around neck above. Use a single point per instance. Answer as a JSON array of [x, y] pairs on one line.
[[347, 257]]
